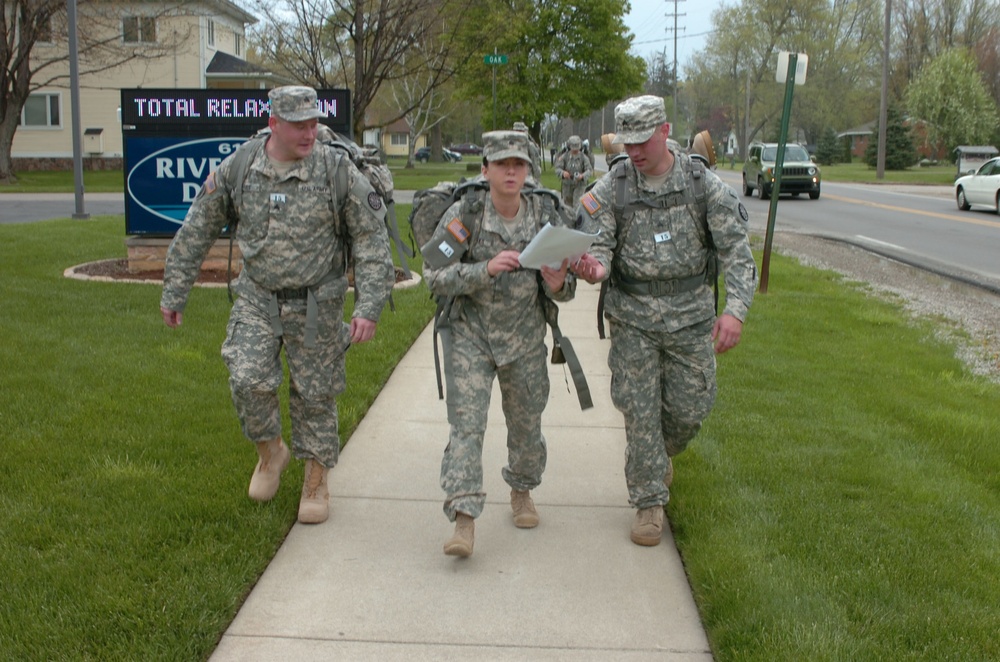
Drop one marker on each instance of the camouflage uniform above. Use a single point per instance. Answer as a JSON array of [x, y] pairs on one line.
[[662, 358], [575, 163], [498, 330], [293, 270]]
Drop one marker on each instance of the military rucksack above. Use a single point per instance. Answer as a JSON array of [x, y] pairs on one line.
[[377, 174], [429, 205], [624, 210]]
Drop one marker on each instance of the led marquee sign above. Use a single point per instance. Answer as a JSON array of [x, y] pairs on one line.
[[174, 137]]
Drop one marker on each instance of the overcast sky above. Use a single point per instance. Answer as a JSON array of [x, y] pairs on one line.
[[653, 28]]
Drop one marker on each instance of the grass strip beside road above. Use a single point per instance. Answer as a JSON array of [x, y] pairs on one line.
[[841, 503]]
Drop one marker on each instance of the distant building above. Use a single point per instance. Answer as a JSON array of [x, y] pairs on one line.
[[207, 54]]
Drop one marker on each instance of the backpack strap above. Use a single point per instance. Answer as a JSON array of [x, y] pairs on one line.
[[242, 158], [622, 223]]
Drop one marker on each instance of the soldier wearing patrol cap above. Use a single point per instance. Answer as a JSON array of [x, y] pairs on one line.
[[533, 151], [497, 330], [574, 170], [291, 287], [660, 306]]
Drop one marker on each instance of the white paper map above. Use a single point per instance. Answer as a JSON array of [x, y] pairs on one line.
[[553, 244]]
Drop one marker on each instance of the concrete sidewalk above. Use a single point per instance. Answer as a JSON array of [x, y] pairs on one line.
[[372, 583]]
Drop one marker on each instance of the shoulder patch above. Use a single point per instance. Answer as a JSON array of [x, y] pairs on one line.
[[458, 230], [374, 201], [209, 186], [590, 203], [743, 213]]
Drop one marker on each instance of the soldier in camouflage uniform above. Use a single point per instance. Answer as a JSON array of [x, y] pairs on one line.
[[574, 169], [291, 289], [497, 328], [533, 151], [664, 331]]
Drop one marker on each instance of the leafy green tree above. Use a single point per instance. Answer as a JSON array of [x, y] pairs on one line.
[[900, 152], [737, 67], [565, 57], [829, 150], [949, 94]]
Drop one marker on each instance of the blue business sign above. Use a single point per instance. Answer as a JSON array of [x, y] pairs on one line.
[[165, 175], [173, 138]]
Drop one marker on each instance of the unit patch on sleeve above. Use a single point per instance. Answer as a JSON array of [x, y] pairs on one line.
[[209, 185], [374, 201], [458, 230], [743, 214], [590, 203]]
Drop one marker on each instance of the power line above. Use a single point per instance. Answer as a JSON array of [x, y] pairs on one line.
[[687, 36]]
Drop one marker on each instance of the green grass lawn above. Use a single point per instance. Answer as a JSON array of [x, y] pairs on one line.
[[125, 530], [841, 503]]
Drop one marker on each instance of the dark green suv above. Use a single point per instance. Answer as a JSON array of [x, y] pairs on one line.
[[798, 174]]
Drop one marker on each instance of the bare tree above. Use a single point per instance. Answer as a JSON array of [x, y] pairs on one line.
[[360, 44], [35, 53]]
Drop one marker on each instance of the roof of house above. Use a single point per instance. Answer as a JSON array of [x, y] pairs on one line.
[[232, 9], [977, 149], [227, 65], [863, 130]]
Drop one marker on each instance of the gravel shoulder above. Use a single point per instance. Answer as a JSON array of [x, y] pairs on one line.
[[966, 316]]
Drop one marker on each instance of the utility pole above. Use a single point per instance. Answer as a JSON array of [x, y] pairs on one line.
[[675, 15], [883, 112]]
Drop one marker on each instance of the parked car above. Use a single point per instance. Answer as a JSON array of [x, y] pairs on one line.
[[981, 188], [798, 173], [467, 148], [423, 154]]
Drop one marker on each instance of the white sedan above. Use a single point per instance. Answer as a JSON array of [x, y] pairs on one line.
[[981, 188]]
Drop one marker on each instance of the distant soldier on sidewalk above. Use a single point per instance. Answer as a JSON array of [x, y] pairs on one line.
[[574, 171]]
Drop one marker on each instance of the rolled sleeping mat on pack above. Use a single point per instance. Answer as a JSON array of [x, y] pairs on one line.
[[702, 144]]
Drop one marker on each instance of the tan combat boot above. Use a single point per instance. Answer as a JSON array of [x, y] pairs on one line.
[[648, 526], [668, 478], [525, 515], [266, 477], [461, 543], [314, 506]]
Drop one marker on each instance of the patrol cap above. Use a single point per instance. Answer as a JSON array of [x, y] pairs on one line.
[[294, 103], [574, 142], [637, 118], [521, 126], [499, 145]]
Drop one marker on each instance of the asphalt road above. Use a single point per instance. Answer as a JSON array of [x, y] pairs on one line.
[[27, 207]]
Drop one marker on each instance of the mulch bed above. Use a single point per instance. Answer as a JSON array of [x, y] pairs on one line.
[[117, 269]]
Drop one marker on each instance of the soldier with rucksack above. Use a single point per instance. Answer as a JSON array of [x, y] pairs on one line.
[[495, 326], [574, 170], [662, 220], [299, 208]]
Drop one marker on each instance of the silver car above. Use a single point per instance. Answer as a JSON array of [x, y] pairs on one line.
[[981, 188]]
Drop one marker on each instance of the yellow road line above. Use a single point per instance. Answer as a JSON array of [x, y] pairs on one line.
[[948, 217]]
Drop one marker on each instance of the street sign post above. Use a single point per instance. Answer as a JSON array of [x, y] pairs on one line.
[[493, 60]]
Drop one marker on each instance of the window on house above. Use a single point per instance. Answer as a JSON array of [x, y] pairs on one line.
[[211, 32], [138, 29], [238, 45], [398, 139], [45, 31], [41, 110]]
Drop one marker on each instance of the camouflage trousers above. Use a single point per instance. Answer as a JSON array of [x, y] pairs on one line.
[[253, 355], [664, 384], [524, 390], [572, 191]]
